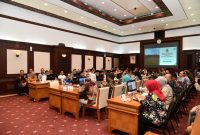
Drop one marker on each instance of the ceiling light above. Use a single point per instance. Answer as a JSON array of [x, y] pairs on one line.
[[133, 25], [189, 8], [95, 22], [156, 7], [85, 3], [122, 32], [65, 11], [45, 4], [135, 17], [192, 14], [114, 29], [82, 17], [162, 20], [139, 29], [115, 9], [149, 0], [125, 15], [194, 20], [152, 13], [102, 2], [166, 24]]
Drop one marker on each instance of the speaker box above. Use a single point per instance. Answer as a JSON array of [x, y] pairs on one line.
[[159, 34]]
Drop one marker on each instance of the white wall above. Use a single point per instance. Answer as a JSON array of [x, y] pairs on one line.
[[130, 48], [15, 64], [41, 60], [76, 62], [137, 37], [191, 43], [88, 62], [183, 31]]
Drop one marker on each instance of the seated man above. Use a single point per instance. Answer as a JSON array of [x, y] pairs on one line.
[[42, 75], [31, 76], [51, 75], [22, 84], [89, 93]]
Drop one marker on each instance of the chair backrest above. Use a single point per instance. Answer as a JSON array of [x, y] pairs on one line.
[[138, 84], [54, 83], [102, 97], [117, 91], [171, 108]]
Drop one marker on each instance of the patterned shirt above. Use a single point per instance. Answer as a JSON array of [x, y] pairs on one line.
[[154, 109]]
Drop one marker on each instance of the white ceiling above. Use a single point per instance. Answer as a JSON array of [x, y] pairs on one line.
[[185, 13]]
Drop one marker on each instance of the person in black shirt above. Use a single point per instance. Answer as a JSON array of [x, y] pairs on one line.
[[22, 84], [51, 75]]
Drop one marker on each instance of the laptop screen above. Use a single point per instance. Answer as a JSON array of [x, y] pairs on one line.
[[131, 85]]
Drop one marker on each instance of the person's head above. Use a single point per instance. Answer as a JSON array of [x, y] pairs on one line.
[[30, 70], [46, 72], [167, 72], [182, 74], [21, 72], [69, 76], [162, 81], [42, 70], [154, 87], [51, 71], [174, 76], [168, 77], [61, 72]]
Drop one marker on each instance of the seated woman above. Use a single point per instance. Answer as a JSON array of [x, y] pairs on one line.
[[22, 83], [89, 92], [166, 89], [153, 106]]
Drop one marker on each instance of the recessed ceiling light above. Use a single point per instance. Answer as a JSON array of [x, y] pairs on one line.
[[194, 20], [152, 13], [135, 17], [125, 15], [166, 24], [95, 22], [45, 4], [149, 0], [192, 14], [114, 29], [85, 3], [162, 20], [115, 9], [82, 17], [65, 11], [156, 7], [189, 8], [139, 29], [102, 2]]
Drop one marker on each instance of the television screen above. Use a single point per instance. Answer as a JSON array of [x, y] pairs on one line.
[[131, 85], [162, 55], [81, 81]]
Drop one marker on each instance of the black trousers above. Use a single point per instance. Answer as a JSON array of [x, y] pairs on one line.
[[22, 90], [143, 122]]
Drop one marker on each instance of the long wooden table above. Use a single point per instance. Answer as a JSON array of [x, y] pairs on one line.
[[196, 126], [65, 99], [38, 90], [123, 116]]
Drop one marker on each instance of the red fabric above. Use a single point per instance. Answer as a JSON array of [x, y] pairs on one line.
[[154, 87]]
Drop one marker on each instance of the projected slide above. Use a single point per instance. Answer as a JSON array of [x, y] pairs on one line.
[[160, 56], [168, 56]]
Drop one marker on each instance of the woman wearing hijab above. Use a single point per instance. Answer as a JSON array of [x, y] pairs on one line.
[[153, 106], [166, 89]]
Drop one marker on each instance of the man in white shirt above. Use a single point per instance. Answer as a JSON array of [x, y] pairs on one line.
[[61, 77], [42, 75], [92, 76]]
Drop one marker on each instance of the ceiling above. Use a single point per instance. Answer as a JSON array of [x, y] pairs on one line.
[[120, 17]]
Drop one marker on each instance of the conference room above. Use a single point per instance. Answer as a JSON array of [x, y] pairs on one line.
[[107, 67]]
